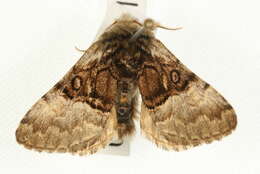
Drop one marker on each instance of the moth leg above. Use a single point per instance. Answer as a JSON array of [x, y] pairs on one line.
[[80, 50]]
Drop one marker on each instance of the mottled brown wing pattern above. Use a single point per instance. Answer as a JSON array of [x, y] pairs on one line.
[[77, 115], [179, 110]]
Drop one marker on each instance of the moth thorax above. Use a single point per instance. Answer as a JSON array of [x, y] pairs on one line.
[[149, 25]]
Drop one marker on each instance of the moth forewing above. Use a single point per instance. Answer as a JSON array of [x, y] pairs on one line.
[[180, 110]]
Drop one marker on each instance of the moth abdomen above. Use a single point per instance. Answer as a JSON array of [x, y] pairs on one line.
[[123, 114], [125, 107]]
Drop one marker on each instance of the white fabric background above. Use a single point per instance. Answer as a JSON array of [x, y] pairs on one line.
[[220, 43]]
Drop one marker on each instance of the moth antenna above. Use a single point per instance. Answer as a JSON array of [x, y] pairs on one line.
[[166, 28], [80, 50], [137, 34], [150, 24]]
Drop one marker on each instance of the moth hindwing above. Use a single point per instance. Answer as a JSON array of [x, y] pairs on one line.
[[97, 99]]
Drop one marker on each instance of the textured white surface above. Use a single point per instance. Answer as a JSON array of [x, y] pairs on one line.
[[123, 150], [115, 10], [220, 42]]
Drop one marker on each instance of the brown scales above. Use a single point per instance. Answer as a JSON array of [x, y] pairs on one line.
[[97, 99]]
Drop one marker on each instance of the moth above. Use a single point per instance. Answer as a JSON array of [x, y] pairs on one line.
[[97, 99]]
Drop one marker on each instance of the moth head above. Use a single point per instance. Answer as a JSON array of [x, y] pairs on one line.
[[150, 24]]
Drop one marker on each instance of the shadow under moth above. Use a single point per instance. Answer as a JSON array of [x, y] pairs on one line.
[[97, 99]]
